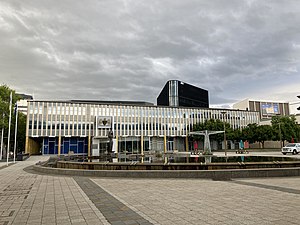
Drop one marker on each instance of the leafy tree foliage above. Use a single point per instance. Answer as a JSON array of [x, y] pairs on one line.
[[213, 125], [4, 104], [285, 128], [263, 133], [248, 132], [282, 128], [4, 117]]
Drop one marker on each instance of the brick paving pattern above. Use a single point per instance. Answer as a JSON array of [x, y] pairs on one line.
[[34, 199], [191, 201], [114, 211], [27, 198]]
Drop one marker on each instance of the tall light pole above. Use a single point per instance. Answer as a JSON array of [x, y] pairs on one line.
[[9, 122], [225, 147], [16, 129]]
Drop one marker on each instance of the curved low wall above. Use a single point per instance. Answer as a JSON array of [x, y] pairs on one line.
[[174, 166], [204, 174]]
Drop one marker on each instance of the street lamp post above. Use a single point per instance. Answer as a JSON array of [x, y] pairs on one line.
[[9, 122], [225, 147], [16, 131]]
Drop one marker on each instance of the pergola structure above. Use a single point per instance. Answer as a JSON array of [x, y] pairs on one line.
[[206, 134]]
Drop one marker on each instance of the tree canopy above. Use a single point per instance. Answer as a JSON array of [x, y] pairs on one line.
[[4, 117], [218, 125], [285, 128], [281, 128]]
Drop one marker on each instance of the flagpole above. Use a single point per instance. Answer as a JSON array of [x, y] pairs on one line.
[[9, 122], [2, 133], [16, 129]]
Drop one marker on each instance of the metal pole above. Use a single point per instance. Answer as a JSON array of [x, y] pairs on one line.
[[225, 147], [9, 122], [2, 133], [16, 129]]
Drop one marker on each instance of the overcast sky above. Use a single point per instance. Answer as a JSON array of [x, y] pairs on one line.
[[128, 49]]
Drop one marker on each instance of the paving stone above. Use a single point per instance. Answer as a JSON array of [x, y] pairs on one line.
[[113, 210], [41, 199], [27, 198]]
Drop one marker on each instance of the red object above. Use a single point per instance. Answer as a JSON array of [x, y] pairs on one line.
[[195, 145], [246, 144], [292, 140]]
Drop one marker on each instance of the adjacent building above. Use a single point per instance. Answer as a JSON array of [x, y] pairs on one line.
[[266, 109], [22, 103], [177, 93], [83, 127]]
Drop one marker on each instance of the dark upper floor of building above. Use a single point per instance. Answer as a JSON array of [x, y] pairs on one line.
[[177, 93]]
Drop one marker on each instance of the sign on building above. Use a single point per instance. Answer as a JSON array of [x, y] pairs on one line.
[[269, 108], [104, 122]]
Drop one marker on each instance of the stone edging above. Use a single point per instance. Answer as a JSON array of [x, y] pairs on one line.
[[203, 174]]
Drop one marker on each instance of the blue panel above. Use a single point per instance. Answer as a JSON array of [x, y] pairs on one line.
[[80, 147], [56, 150], [66, 147], [86, 149], [73, 148], [73, 140], [46, 150], [45, 141], [51, 147]]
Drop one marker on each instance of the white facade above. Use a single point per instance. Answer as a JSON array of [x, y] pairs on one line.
[[242, 105], [22, 106], [135, 128]]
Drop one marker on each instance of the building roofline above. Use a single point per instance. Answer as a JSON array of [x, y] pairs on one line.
[[261, 100], [123, 104], [113, 102]]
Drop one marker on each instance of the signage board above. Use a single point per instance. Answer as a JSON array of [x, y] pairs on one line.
[[104, 122], [269, 108]]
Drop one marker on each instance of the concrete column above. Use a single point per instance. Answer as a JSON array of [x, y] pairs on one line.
[[142, 148], [165, 148], [117, 148], [26, 144], [89, 145], [187, 147], [59, 144], [27, 129]]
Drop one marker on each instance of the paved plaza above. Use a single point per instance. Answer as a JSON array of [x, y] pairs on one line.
[[29, 198]]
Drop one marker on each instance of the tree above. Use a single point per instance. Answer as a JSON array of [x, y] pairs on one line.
[[285, 128], [263, 133], [218, 125], [4, 110], [235, 134], [249, 132], [213, 125]]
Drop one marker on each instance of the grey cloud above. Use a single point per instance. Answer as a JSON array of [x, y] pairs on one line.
[[128, 49]]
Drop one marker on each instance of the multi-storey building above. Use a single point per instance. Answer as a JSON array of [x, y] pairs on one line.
[[22, 103], [177, 93], [266, 109], [57, 127]]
